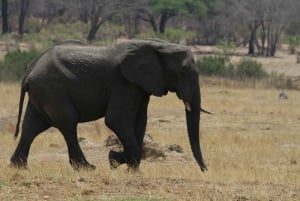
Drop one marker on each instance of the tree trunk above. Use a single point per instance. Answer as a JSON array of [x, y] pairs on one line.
[[153, 24], [4, 17], [253, 29], [132, 25], [92, 32], [147, 17], [22, 16], [162, 22], [95, 25], [251, 50], [275, 40], [263, 39]]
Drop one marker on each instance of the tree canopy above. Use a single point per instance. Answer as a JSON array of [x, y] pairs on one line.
[[182, 7]]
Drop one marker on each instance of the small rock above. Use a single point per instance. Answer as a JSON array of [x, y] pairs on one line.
[[53, 145], [153, 151], [112, 140], [82, 180], [283, 95], [164, 121], [81, 139], [175, 147], [293, 162]]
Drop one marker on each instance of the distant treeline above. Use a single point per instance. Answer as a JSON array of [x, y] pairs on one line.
[[259, 25]]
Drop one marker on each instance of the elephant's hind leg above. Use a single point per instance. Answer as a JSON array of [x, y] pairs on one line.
[[32, 126], [76, 156], [65, 118]]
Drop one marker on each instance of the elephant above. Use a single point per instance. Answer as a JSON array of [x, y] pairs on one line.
[[72, 82]]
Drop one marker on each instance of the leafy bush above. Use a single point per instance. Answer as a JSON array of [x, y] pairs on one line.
[[248, 68], [177, 35], [15, 64], [220, 66], [215, 66], [293, 41], [171, 35]]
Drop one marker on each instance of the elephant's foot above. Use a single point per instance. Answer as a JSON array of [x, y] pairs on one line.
[[114, 159], [133, 169], [18, 162], [117, 158], [78, 165]]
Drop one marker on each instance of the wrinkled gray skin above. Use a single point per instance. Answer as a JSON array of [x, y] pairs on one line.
[[72, 83]]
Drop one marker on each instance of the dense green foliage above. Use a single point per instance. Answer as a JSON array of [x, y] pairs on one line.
[[15, 64], [171, 35], [248, 68], [183, 7], [215, 66], [221, 67]]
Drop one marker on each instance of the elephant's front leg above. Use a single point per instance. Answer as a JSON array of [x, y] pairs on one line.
[[141, 122], [121, 118], [125, 130]]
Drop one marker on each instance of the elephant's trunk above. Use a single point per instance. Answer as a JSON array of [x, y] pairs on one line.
[[193, 110]]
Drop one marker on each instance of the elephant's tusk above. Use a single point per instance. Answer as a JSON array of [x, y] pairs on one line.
[[188, 106], [205, 111]]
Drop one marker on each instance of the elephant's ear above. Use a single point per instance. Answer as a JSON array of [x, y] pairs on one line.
[[142, 66]]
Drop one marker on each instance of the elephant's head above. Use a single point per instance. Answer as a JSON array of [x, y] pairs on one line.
[[159, 67]]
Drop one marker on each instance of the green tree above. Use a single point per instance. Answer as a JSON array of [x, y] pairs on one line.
[[158, 12]]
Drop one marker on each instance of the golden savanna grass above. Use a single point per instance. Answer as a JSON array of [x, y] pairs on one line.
[[251, 145]]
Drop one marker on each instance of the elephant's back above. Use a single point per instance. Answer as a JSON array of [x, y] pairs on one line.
[[72, 62], [82, 61]]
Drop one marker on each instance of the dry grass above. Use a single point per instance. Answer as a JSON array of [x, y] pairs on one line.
[[251, 143]]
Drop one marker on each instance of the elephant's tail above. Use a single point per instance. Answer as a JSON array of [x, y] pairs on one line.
[[24, 89]]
